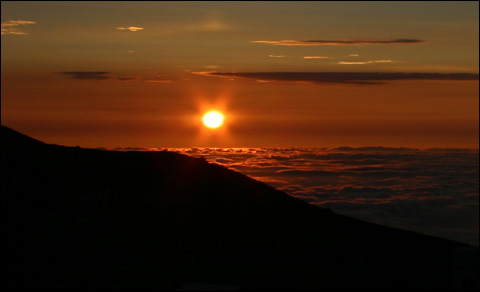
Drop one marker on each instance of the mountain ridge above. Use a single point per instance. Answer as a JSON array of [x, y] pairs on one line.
[[85, 219]]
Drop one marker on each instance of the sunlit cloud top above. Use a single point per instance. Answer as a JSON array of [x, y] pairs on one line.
[[364, 62], [130, 28], [10, 26], [341, 42], [316, 57]]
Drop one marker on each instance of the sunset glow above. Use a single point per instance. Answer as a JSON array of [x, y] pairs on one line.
[[330, 75], [176, 127]]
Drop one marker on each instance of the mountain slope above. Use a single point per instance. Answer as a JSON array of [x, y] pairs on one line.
[[83, 219]]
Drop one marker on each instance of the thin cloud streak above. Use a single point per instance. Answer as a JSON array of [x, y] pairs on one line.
[[316, 57], [341, 42], [93, 75], [158, 81], [364, 62], [362, 78], [128, 78], [130, 28], [104, 75], [354, 63], [9, 26]]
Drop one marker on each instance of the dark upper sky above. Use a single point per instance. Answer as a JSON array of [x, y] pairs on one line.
[[283, 73]]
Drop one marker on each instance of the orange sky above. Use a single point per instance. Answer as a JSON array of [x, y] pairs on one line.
[[133, 74]]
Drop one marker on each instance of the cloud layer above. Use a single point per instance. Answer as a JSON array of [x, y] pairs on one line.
[[343, 77], [428, 191], [10, 26], [351, 42]]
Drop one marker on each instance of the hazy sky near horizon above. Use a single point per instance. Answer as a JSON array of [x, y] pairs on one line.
[[303, 74]]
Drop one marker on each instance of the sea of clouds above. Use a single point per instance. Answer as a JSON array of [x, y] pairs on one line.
[[434, 191]]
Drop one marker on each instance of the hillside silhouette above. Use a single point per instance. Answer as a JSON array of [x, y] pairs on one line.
[[85, 219]]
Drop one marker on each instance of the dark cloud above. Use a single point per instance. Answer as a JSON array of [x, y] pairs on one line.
[[96, 75], [366, 78], [159, 80], [127, 78], [341, 42]]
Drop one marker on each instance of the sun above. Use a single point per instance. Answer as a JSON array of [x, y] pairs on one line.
[[212, 119]]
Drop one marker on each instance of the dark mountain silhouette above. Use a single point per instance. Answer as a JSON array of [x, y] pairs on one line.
[[84, 219]]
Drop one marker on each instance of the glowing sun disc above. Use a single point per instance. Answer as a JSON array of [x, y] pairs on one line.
[[213, 119]]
